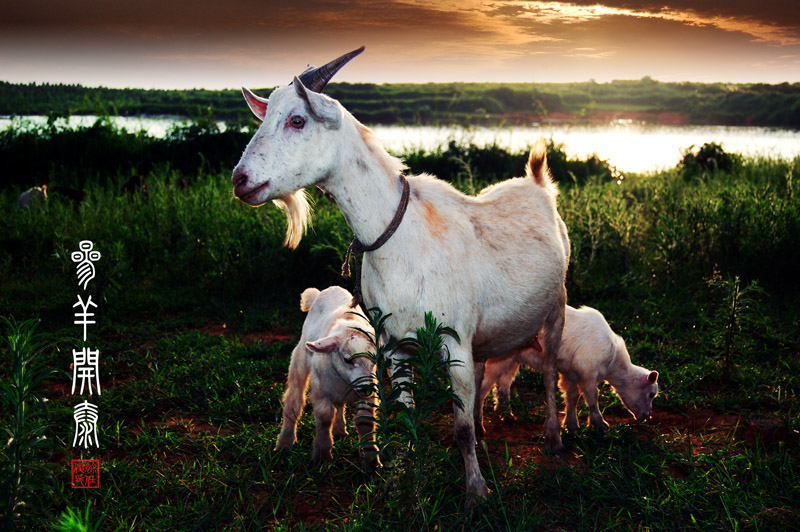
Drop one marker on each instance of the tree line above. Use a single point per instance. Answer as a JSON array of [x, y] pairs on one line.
[[447, 103]]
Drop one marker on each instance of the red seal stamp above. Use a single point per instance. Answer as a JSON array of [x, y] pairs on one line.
[[86, 473]]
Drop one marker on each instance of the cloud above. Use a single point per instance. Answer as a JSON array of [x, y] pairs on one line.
[[263, 43], [764, 26]]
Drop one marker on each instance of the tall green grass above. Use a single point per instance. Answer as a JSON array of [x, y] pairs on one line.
[[26, 483]]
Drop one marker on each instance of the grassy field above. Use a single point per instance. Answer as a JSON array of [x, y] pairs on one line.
[[198, 312]]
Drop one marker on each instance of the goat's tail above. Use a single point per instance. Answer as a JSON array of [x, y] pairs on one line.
[[307, 298], [537, 164]]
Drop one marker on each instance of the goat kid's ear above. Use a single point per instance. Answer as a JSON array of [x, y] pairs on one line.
[[324, 345], [320, 107], [257, 104], [650, 378]]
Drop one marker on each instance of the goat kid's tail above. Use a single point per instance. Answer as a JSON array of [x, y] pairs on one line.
[[537, 164], [307, 298]]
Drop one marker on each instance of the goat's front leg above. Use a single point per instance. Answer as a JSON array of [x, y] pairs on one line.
[[401, 376], [462, 379], [294, 398], [339, 426], [323, 441], [590, 393], [365, 426], [479, 366]]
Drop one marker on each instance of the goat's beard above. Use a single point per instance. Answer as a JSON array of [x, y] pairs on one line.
[[298, 216]]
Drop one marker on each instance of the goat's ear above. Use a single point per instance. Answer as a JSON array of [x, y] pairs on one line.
[[324, 345], [257, 105], [322, 108], [650, 378]]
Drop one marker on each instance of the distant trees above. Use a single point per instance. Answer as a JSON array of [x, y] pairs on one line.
[[445, 103]]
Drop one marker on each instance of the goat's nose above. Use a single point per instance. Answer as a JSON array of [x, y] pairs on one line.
[[240, 177]]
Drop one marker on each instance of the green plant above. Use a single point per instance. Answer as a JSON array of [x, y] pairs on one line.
[[708, 158], [412, 390], [26, 479], [74, 521], [738, 309]]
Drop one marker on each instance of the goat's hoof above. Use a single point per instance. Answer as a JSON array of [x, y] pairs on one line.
[[285, 442], [318, 456], [370, 461], [554, 446], [477, 493], [282, 451], [371, 465]]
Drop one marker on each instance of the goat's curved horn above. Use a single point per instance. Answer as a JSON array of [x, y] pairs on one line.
[[315, 79]]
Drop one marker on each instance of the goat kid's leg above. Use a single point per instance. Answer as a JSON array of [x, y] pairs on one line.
[[590, 394], [571, 396], [323, 441], [554, 327], [339, 426], [462, 378], [504, 393], [365, 426], [294, 398], [479, 366]]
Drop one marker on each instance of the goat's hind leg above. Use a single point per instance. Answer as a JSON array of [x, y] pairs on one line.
[[554, 328], [503, 400], [294, 398]]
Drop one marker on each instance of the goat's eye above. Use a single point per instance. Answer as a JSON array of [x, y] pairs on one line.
[[297, 122], [652, 395]]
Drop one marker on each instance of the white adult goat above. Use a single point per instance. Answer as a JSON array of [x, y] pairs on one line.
[[491, 266]]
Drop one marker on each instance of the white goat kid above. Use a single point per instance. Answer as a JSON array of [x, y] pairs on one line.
[[492, 267], [32, 196], [590, 353], [325, 357]]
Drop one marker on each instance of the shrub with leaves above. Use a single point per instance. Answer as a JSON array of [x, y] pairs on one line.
[[738, 310], [405, 430], [709, 158], [26, 481]]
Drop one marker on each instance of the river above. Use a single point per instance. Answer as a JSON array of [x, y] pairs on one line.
[[630, 146]]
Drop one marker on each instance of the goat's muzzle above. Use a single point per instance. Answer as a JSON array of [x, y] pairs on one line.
[[240, 178], [244, 190]]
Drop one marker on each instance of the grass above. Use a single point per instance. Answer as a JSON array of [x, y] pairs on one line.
[[198, 315]]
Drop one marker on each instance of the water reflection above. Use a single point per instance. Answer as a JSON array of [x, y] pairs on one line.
[[630, 146]]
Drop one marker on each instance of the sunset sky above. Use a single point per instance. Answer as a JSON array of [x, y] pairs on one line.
[[227, 44]]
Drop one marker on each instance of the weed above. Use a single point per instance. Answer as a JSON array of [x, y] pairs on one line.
[[27, 482], [411, 387]]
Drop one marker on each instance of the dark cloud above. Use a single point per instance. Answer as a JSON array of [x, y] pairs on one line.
[[263, 43]]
